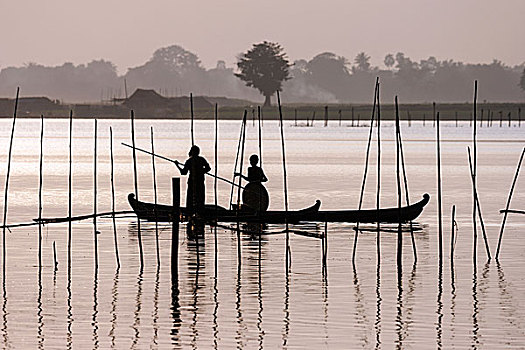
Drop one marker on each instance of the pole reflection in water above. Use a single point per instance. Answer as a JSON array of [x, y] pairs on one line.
[[239, 334], [136, 313], [439, 310], [113, 312], [155, 315], [361, 310], [215, 326], [39, 313], [377, 324], [95, 310], [409, 302], [324, 293], [259, 296], [399, 307], [286, 328], [69, 337], [475, 310], [5, 333]]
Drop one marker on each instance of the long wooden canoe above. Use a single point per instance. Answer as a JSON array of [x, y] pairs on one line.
[[164, 213]]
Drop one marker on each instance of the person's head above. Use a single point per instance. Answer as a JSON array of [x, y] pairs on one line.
[[254, 159], [194, 151]]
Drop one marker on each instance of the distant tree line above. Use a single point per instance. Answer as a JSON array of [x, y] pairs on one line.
[[326, 78]]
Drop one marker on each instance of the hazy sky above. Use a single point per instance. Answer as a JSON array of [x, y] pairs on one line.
[[52, 32]]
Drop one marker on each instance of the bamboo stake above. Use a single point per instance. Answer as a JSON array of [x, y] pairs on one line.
[[474, 171], [154, 172], [434, 114], [325, 116], [236, 161], [215, 192], [478, 206], [260, 136], [378, 193], [239, 251], [191, 108], [424, 118], [340, 117], [113, 197], [325, 245], [440, 216], [95, 238], [288, 252], [398, 181], [519, 117], [55, 261], [6, 189], [508, 204], [353, 116], [313, 118], [295, 116], [407, 197], [456, 119], [366, 168], [135, 180], [40, 185], [70, 182], [509, 118], [452, 235]]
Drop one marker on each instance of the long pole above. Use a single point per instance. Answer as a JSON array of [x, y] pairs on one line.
[[508, 204], [113, 197], [474, 171], [452, 235], [135, 180], [154, 172], [239, 250], [260, 136], [285, 184], [398, 181], [440, 216], [478, 206], [40, 185], [6, 190], [175, 187], [378, 193], [366, 168], [191, 108], [237, 160], [177, 162], [70, 182], [407, 197], [215, 192], [95, 237]]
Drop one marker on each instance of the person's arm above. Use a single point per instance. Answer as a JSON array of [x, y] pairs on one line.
[[207, 167], [263, 177], [183, 170], [242, 176]]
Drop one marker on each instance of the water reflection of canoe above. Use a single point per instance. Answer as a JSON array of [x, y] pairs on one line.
[[164, 213]]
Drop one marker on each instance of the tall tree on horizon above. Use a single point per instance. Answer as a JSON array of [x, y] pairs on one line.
[[264, 67]]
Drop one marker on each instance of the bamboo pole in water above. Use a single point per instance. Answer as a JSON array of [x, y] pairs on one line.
[[370, 132], [136, 183], [285, 184], [191, 126], [6, 189], [508, 204], [239, 250], [113, 197], [40, 185], [295, 116], [340, 117], [519, 117], [478, 206], [434, 114], [452, 235], [474, 171], [325, 116], [154, 172], [55, 261], [215, 193], [407, 197], [398, 181], [440, 216], [260, 136], [95, 237], [236, 162], [70, 182], [353, 116], [378, 193]]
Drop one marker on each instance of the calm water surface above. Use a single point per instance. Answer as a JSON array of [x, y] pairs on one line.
[[218, 304]]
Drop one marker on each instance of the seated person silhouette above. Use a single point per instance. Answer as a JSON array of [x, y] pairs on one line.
[[255, 195], [197, 166], [255, 173]]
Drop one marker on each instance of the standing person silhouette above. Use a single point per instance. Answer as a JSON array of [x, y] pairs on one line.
[[197, 166]]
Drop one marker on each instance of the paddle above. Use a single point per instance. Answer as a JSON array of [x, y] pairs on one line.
[[179, 163]]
